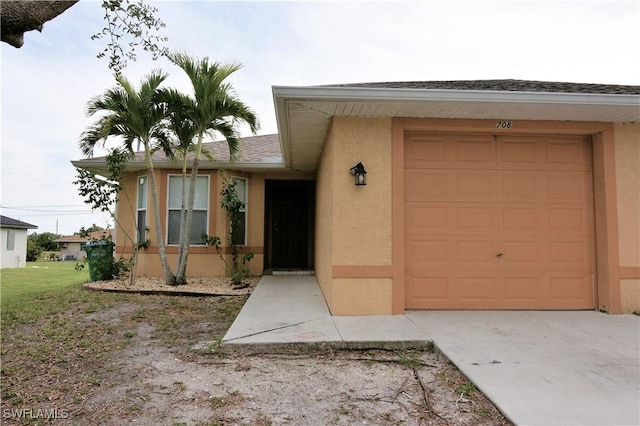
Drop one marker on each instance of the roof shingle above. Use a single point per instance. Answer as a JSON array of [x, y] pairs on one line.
[[253, 149], [503, 85], [8, 222]]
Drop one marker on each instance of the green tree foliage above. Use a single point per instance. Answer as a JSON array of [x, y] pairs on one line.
[[44, 240], [33, 250], [238, 269], [129, 26], [176, 123], [133, 115], [100, 190], [92, 228], [212, 108]]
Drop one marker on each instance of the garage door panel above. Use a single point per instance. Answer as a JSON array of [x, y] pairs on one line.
[[451, 289], [544, 186], [476, 219], [430, 290], [429, 218], [432, 185], [571, 290], [478, 290], [474, 151], [522, 219], [568, 153], [451, 218], [449, 151], [520, 187], [576, 254], [450, 185], [425, 253], [515, 232], [520, 153], [526, 290], [544, 152], [570, 220], [474, 253], [569, 187], [523, 253], [474, 186], [426, 150]]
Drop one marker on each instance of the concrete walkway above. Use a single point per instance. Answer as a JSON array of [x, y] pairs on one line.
[[538, 367]]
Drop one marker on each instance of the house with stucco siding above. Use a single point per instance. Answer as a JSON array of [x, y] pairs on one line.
[[491, 194], [72, 247], [13, 242]]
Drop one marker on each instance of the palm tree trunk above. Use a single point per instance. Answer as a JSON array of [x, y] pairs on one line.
[[185, 231], [182, 267], [169, 278]]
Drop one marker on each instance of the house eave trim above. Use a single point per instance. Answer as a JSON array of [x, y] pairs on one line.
[[100, 165], [351, 94]]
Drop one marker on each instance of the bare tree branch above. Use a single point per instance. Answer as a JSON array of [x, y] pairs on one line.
[[18, 17]]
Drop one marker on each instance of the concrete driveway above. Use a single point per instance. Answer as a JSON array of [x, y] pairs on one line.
[[546, 368], [538, 367]]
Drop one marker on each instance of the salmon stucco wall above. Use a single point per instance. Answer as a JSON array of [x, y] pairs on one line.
[[627, 158], [125, 211], [361, 296], [324, 221], [203, 260], [356, 279], [362, 224]]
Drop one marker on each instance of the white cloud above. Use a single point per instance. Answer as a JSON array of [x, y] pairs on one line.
[[46, 84]]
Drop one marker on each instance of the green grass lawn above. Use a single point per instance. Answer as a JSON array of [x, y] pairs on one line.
[[20, 288]]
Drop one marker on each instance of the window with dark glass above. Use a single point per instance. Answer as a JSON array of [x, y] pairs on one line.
[[200, 210], [141, 219]]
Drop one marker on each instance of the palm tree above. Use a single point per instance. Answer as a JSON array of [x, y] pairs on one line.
[[212, 108], [185, 132], [135, 116]]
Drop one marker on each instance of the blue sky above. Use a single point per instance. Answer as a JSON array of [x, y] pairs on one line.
[[46, 83]]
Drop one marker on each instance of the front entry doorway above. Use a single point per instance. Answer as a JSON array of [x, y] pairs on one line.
[[289, 223]]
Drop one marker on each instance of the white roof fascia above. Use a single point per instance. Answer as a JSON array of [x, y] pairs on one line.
[[99, 166], [359, 94]]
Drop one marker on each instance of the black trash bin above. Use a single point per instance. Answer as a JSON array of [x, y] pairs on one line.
[[100, 258]]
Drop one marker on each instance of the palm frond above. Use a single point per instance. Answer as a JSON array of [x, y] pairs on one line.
[[230, 134], [208, 154], [213, 105], [134, 115], [162, 140]]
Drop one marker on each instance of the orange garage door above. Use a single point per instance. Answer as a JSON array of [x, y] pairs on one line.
[[498, 222]]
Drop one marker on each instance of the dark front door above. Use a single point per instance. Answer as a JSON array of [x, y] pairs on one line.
[[289, 223]]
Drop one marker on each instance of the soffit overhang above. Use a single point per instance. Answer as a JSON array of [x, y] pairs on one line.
[[304, 114], [98, 165]]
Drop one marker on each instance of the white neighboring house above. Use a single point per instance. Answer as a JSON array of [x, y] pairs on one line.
[[13, 242]]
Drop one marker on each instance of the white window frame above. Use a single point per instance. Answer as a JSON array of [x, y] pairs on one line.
[[208, 208], [141, 232], [246, 206]]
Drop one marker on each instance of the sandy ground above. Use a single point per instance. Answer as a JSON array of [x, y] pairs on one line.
[[149, 366], [215, 386], [375, 387]]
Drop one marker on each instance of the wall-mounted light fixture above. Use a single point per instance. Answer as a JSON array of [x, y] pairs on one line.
[[360, 174]]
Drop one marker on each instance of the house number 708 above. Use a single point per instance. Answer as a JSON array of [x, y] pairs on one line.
[[503, 125]]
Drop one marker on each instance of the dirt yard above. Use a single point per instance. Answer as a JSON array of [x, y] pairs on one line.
[[113, 359]]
